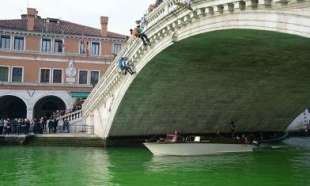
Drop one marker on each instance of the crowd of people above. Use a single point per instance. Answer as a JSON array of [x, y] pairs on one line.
[[37, 126], [182, 3]]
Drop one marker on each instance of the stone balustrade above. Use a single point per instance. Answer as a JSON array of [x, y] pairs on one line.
[[72, 116]]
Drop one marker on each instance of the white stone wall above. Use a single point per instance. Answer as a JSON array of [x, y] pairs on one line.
[[31, 97]]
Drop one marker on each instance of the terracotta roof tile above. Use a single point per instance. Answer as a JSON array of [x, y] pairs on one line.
[[55, 26]]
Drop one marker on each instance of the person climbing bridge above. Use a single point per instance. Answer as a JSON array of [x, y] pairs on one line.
[[124, 66], [185, 4], [138, 32]]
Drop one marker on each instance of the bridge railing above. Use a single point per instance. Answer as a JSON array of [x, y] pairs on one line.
[[127, 50], [111, 74], [72, 116]]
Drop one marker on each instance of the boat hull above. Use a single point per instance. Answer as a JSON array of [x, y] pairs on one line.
[[195, 149]]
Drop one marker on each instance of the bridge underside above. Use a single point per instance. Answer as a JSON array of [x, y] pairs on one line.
[[258, 79]]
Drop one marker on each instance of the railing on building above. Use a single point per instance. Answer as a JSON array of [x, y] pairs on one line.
[[57, 54], [37, 83]]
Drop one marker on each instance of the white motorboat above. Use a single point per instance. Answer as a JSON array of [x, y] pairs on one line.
[[195, 148]]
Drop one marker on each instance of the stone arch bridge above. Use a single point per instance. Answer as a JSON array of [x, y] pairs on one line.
[[170, 24]]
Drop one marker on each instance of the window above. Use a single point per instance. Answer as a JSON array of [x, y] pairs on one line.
[[83, 45], [83, 77], [58, 46], [94, 77], [5, 42], [45, 75], [17, 74], [57, 76], [46, 45], [4, 74], [18, 43], [116, 48], [95, 48]]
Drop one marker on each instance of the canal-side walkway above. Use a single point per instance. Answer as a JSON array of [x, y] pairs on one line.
[[80, 140]]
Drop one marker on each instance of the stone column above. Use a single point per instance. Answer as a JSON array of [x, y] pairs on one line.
[[30, 113]]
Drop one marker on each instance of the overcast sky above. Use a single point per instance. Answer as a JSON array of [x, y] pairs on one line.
[[122, 13]]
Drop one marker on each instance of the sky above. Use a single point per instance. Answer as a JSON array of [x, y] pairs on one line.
[[122, 13]]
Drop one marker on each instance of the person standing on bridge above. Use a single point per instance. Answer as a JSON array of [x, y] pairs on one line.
[[186, 4], [158, 2]]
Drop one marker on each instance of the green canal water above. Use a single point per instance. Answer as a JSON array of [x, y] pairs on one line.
[[289, 166]]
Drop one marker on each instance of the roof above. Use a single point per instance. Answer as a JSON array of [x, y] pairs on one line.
[[55, 26]]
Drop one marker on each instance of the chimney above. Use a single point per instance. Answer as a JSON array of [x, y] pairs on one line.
[[104, 25], [32, 14]]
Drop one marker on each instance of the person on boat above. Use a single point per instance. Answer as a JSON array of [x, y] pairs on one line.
[[244, 139], [173, 137]]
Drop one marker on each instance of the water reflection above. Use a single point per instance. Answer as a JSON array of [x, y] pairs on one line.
[[136, 166], [162, 163], [53, 166]]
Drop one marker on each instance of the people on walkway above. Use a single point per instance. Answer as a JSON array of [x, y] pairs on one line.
[[185, 4], [143, 23], [66, 126], [158, 2], [20, 126], [124, 66], [55, 125], [1, 126]]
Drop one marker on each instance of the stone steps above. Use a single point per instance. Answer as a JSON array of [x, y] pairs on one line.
[[53, 140], [66, 141]]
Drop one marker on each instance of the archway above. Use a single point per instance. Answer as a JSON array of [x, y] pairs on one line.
[[12, 107], [202, 83], [47, 105]]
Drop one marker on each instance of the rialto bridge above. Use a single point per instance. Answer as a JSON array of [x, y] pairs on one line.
[[245, 61]]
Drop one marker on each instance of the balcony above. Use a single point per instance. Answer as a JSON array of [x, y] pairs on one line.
[[46, 86], [55, 55]]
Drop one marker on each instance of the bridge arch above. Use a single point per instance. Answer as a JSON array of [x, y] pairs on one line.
[[177, 26]]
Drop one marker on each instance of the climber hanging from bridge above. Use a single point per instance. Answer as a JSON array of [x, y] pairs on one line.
[[138, 32], [185, 4], [124, 66]]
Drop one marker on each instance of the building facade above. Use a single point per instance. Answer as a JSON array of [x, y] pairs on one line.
[[48, 64]]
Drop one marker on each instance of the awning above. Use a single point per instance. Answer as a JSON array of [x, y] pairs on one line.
[[79, 94]]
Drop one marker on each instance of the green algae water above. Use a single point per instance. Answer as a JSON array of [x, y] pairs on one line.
[[40, 166]]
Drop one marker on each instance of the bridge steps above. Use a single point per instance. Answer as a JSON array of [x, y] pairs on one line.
[[54, 140]]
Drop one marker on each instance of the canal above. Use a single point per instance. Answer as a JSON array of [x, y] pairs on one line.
[[43, 166]]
